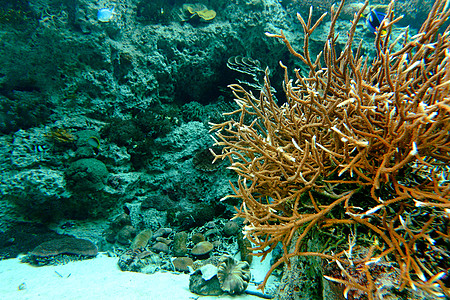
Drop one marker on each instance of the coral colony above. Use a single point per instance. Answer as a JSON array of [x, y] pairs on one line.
[[361, 147]]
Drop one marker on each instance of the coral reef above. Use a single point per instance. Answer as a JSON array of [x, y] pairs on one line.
[[22, 110], [204, 285], [124, 79], [196, 11], [360, 147], [108, 121], [141, 239], [182, 264], [37, 193], [204, 160], [202, 249], [220, 275], [141, 260], [22, 238], [233, 275], [86, 174], [65, 245], [50, 252], [180, 244], [245, 247]]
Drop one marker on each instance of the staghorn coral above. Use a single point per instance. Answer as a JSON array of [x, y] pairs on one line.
[[233, 275], [348, 151]]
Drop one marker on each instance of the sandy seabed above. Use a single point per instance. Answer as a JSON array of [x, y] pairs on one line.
[[99, 278]]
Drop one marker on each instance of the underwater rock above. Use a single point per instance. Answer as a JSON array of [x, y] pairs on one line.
[[117, 158], [233, 275], [230, 228], [141, 240], [37, 193], [126, 235], [88, 143], [110, 235], [65, 245], [180, 244], [185, 218], [160, 247], [244, 247], [203, 160], [212, 233], [154, 12], [182, 264], [115, 226], [120, 221], [140, 260], [22, 109], [202, 249], [29, 148], [217, 243], [164, 240], [149, 218], [200, 286], [87, 174], [23, 237], [197, 238], [162, 232], [214, 260], [50, 252], [159, 202]]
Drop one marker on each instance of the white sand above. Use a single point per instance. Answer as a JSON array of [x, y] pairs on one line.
[[98, 278]]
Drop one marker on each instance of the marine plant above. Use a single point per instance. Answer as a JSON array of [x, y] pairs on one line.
[[360, 148]]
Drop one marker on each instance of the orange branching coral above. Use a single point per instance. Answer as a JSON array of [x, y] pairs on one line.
[[352, 125], [60, 135]]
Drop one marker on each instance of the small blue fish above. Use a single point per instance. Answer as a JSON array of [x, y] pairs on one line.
[[374, 19], [105, 14]]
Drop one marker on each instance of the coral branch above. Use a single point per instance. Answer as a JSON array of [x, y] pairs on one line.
[[374, 132]]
